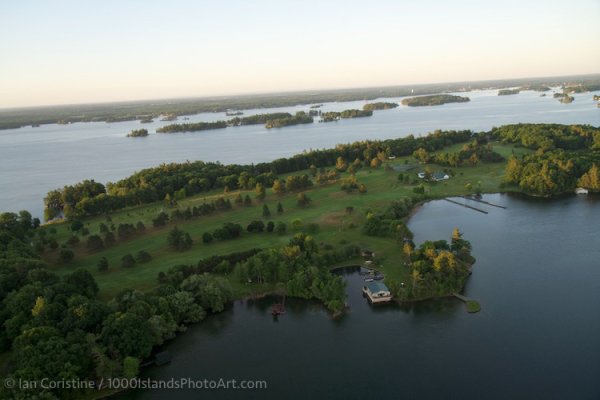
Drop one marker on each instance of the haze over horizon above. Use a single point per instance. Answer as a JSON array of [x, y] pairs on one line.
[[62, 52]]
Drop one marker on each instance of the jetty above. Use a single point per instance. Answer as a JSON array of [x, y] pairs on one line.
[[467, 206], [472, 305], [483, 202]]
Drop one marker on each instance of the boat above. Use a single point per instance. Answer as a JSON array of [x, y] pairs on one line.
[[581, 191], [369, 279]]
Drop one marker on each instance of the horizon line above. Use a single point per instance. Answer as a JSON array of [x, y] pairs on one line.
[[298, 91]]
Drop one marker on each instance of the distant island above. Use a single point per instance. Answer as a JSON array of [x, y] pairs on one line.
[[233, 113], [257, 119], [564, 98], [300, 118], [146, 120], [193, 127], [379, 106], [346, 114], [536, 88], [434, 100], [138, 133], [507, 92]]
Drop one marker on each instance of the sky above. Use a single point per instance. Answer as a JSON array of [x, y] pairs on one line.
[[67, 52]]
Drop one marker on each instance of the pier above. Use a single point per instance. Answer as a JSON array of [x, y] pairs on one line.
[[467, 206], [472, 305], [484, 202]]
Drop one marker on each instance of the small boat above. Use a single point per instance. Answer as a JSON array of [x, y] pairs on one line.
[[369, 279], [378, 277], [277, 309], [581, 191]]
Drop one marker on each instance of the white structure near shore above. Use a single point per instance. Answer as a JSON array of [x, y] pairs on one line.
[[581, 191], [377, 292]]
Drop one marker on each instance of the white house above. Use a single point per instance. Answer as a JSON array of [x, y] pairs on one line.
[[436, 176]]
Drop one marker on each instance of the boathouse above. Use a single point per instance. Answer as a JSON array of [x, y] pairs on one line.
[[377, 292]]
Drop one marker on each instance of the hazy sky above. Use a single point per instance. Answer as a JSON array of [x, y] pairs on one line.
[[57, 52]]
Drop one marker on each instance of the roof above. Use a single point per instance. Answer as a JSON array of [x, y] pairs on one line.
[[375, 287], [439, 175]]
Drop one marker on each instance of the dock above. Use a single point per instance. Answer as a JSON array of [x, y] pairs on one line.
[[484, 202], [472, 305], [467, 206]]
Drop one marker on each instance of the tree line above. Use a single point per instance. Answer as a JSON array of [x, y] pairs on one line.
[[154, 184], [565, 156]]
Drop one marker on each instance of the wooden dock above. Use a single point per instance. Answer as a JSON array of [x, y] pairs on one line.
[[467, 206], [484, 202]]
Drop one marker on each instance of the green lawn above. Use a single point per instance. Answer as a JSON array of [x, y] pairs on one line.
[[327, 209]]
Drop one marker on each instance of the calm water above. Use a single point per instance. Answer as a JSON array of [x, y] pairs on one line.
[[36, 160], [537, 336]]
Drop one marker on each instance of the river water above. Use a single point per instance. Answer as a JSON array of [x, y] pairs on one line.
[[537, 336], [36, 160]]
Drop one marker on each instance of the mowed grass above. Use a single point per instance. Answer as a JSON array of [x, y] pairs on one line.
[[328, 210]]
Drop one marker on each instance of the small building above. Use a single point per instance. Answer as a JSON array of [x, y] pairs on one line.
[[436, 176], [377, 292]]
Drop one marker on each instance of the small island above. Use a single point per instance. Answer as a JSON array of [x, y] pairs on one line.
[[508, 92], [564, 98], [146, 120], [536, 88], [300, 118], [346, 114], [434, 100], [379, 106], [233, 113], [257, 119], [138, 133], [193, 127]]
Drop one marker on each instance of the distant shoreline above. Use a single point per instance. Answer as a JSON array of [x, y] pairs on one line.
[[13, 118]]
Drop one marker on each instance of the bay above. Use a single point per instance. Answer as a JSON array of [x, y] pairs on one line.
[[537, 336]]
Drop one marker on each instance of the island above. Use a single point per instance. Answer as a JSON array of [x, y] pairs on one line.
[[379, 106], [507, 92], [299, 118], [192, 127], [536, 88], [146, 120], [434, 100], [233, 113], [257, 119], [138, 133], [151, 254], [563, 97], [346, 114]]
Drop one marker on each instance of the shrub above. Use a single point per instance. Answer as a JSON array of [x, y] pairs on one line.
[[127, 261], [143, 256], [102, 265], [66, 256], [94, 242], [207, 237]]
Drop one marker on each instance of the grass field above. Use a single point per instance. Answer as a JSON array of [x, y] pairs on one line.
[[327, 210]]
